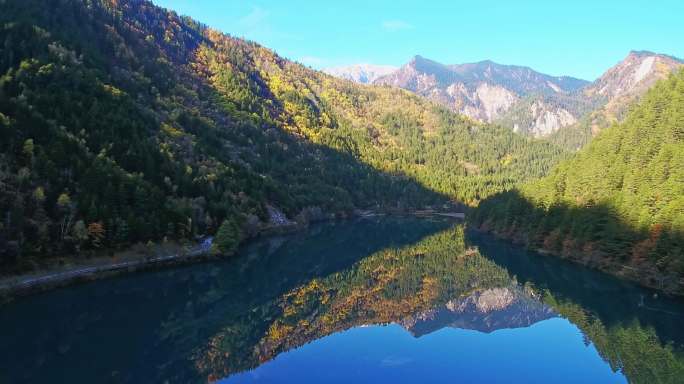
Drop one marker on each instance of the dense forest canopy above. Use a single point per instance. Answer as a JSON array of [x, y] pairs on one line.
[[123, 122], [619, 203]]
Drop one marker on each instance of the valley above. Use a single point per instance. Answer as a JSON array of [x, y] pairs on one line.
[[254, 209], [179, 137], [215, 133]]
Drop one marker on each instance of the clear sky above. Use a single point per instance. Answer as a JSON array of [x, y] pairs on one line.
[[560, 37]]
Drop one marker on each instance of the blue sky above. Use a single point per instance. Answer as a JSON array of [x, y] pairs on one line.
[[577, 38]]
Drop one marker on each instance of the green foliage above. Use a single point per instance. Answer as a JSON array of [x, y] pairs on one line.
[[620, 200], [228, 237], [576, 103], [632, 347], [389, 285], [158, 126], [400, 283]]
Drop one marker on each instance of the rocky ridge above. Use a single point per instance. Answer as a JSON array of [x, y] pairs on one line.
[[484, 311], [522, 99]]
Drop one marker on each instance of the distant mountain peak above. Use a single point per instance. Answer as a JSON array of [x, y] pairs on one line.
[[484, 310], [486, 91], [420, 58], [641, 53], [638, 71], [363, 73], [519, 97], [440, 72], [423, 62]]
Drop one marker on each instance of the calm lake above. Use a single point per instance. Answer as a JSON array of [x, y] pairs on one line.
[[401, 300]]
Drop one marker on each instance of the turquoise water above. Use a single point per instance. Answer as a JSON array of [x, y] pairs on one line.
[[372, 300]]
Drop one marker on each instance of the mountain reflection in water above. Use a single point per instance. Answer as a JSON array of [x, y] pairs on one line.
[[485, 311], [310, 293]]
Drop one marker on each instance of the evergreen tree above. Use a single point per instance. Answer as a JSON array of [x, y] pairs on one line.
[[228, 237]]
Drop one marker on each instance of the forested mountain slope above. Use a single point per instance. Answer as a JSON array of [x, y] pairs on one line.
[[618, 204], [566, 110], [123, 122], [615, 92]]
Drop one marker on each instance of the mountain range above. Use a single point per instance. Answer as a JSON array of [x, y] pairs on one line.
[[361, 73], [523, 99], [618, 204], [483, 310], [124, 123]]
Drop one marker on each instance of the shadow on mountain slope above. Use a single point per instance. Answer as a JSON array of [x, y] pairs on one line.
[[124, 123], [595, 235]]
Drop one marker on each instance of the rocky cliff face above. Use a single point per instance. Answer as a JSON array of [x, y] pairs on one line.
[[524, 100], [625, 83], [487, 91], [633, 75], [485, 311]]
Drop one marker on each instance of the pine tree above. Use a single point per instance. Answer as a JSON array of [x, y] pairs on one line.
[[228, 237]]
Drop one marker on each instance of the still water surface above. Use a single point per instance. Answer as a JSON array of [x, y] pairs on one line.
[[371, 300]]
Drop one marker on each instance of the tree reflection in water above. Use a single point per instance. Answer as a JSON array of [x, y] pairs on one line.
[[211, 321]]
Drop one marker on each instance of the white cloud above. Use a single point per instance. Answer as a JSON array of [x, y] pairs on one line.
[[395, 25]]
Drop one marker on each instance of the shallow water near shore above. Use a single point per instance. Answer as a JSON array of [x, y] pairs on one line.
[[368, 300]]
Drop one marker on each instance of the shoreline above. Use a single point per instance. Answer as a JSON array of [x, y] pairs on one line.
[[645, 278], [103, 267], [29, 284], [37, 282]]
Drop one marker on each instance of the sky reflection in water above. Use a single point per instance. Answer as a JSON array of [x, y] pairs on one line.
[[386, 300]]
